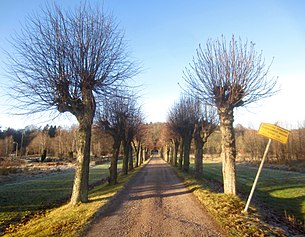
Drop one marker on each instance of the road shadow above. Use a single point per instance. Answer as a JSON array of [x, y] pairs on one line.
[[149, 182]]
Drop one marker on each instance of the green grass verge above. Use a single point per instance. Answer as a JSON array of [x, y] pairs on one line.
[[227, 210], [70, 220], [281, 191], [19, 201]]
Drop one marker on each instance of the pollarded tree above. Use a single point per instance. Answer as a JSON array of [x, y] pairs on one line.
[[121, 118], [111, 120], [137, 144], [181, 118], [205, 125], [67, 60], [132, 125], [167, 138], [229, 75]]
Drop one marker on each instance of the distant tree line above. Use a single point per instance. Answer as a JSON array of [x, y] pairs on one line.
[[250, 146], [61, 142]]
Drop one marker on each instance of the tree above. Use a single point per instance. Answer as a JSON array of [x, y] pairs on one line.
[[205, 125], [120, 118], [68, 60], [228, 76], [132, 124], [166, 141], [181, 118], [137, 144], [111, 120]]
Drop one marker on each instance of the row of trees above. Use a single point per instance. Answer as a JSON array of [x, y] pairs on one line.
[[61, 143], [223, 76], [188, 119], [72, 61], [57, 141], [77, 62], [250, 146]]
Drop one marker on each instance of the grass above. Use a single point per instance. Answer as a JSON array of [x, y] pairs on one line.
[[69, 220], [19, 201], [281, 191], [227, 210]]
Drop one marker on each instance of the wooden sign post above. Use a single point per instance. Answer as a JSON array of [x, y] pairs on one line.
[[273, 132]]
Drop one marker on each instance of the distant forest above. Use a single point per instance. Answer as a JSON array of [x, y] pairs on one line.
[[62, 142]]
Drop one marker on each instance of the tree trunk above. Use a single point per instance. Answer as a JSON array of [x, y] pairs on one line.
[[228, 150], [125, 157], [137, 149], [187, 148], [176, 143], [199, 143], [161, 153], [84, 113], [181, 152], [142, 155], [130, 157], [81, 179], [113, 169], [167, 153], [171, 154]]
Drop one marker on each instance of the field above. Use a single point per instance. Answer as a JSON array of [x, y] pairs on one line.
[[278, 192], [282, 192], [19, 200]]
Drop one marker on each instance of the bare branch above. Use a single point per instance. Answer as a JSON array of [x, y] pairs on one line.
[[58, 55], [230, 75]]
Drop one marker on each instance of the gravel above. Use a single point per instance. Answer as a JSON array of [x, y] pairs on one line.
[[154, 203]]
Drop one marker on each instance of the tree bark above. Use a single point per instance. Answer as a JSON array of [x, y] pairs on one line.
[[137, 148], [175, 159], [130, 157], [142, 154], [228, 150], [84, 113], [181, 153], [113, 169], [167, 153], [125, 157], [137, 156], [171, 155], [199, 143], [81, 179], [186, 154]]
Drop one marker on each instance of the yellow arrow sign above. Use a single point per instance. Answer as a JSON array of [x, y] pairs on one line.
[[274, 132]]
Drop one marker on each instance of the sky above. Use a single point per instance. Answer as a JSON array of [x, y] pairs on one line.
[[163, 36]]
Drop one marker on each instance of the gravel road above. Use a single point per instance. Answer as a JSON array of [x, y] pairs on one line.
[[154, 203]]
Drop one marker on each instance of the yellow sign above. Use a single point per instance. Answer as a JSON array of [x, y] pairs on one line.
[[274, 132]]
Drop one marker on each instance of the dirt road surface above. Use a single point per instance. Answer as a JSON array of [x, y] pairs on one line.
[[154, 203]]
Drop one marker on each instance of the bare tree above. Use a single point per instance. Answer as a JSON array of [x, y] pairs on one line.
[[111, 120], [67, 60], [137, 143], [205, 125], [132, 124], [182, 118], [122, 119], [167, 137], [229, 75]]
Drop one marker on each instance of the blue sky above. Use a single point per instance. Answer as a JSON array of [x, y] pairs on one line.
[[164, 34]]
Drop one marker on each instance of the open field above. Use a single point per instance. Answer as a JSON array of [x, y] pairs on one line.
[[20, 199], [280, 191], [67, 220], [72, 221]]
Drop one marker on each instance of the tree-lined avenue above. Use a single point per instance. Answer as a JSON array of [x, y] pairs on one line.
[[155, 203]]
